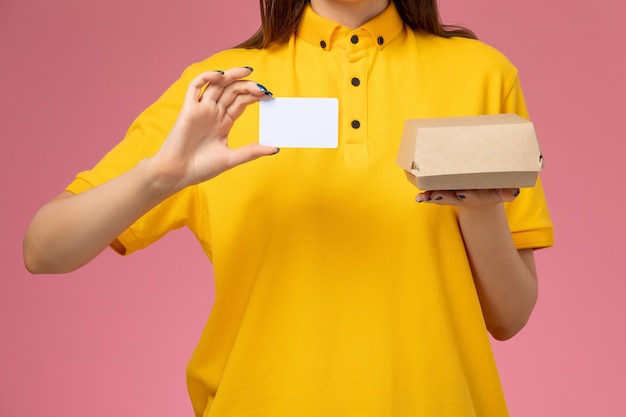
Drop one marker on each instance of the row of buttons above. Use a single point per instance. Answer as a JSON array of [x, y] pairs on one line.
[[355, 39], [355, 81]]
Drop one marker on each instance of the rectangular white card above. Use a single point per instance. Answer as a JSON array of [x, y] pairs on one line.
[[298, 122]]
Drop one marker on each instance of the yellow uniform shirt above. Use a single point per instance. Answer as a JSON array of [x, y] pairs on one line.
[[337, 294]]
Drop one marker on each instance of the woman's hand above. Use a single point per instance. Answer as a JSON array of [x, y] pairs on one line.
[[197, 147], [469, 198]]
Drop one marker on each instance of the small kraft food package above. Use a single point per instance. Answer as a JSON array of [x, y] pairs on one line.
[[473, 152]]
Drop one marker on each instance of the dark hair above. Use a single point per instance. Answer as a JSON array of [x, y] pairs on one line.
[[280, 19]]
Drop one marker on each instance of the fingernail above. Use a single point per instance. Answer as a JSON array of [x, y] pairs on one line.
[[461, 196], [265, 90], [250, 68], [516, 193], [220, 71], [277, 150], [438, 198]]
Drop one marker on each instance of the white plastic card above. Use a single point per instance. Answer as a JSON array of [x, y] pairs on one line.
[[296, 122]]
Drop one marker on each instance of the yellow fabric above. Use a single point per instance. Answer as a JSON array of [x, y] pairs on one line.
[[336, 293]]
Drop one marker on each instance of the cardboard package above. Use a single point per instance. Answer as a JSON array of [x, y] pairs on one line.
[[475, 152]]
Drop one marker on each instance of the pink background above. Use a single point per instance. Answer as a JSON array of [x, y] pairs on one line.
[[113, 339]]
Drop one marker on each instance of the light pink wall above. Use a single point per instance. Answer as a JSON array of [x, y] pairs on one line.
[[113, 338]]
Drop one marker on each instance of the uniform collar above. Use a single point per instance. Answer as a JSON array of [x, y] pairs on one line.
[[325, 33]]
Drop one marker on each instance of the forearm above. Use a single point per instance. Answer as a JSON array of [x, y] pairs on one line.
[[505, 278], [71, 230]]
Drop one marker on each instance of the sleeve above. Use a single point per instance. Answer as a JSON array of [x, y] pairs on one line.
[[144, 139], [528, 215]]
